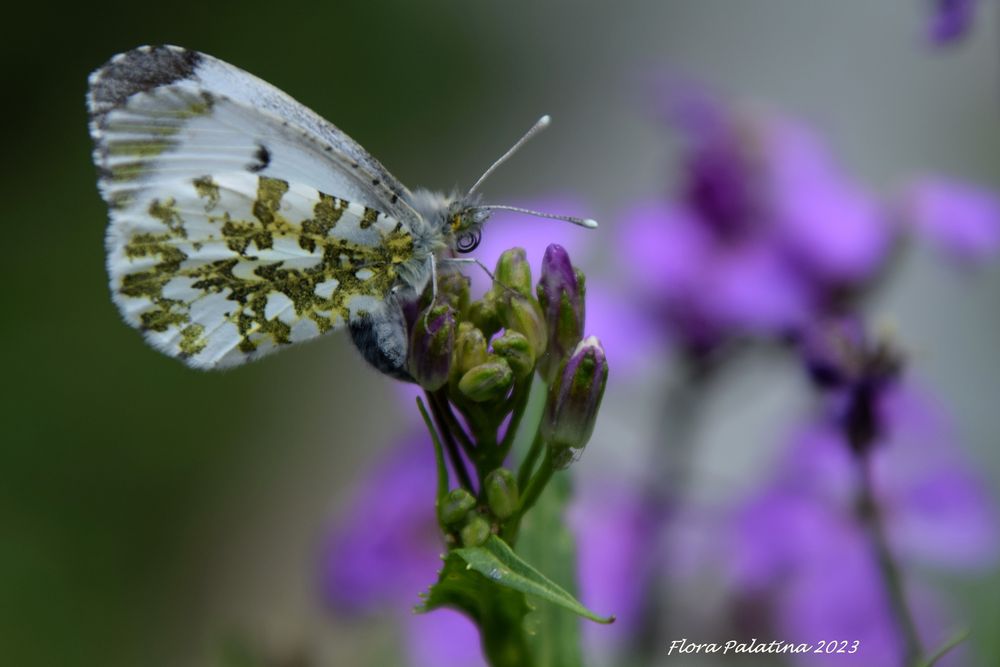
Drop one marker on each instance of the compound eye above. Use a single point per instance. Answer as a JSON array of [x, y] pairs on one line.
[[468, 241]]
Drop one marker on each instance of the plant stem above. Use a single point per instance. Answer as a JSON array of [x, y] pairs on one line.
[[892, 579], [442, 470], [537, 484], [456, 427], [952, 642], [528, 464], [457, 463], [522, 392]]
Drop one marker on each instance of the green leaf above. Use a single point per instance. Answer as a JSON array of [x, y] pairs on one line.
[[547, 543], [498, 563], [498, 612]]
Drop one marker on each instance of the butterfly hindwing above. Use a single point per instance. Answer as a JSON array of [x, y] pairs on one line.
[[223, 268]]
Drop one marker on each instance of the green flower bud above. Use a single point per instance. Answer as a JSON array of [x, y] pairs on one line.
[[501, 492], [475, 532], [484, 315], [515, 348], [488, 381], [431, 343], [470, 349], [524, 315], [455, 506], [574, 400], [513, 272], [453, 289]]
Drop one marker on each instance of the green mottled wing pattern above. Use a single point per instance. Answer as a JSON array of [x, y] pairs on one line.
[[223, 268]]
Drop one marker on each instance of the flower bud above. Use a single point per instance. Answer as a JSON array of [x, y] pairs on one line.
[[470, 349], [484, 315], [561, 296], [487, 381], [516, 349], [455, 506], [475, 532], [453, 289], [431, 344], [574, 399], [513, 272], [524, 315], [501, 492]]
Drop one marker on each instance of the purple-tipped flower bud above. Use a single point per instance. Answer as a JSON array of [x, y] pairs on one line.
[[574, 400], [431, 344], [455, 506], [475, 532], [470, 350], [515, 348], [488, 381], [513, 272], [501, 492], [561, 295]]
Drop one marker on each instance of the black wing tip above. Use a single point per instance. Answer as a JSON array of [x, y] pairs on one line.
[[140, 70]]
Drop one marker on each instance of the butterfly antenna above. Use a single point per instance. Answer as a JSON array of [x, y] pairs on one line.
[[540, 125], [589, 223]]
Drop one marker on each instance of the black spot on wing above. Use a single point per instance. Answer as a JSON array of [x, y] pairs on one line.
[[262, 157], [139, 70]]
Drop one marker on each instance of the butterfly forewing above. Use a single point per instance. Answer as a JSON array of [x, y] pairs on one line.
[[166, 110], [241, 221]]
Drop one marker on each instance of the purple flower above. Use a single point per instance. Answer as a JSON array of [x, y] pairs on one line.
[[765, 232], [613, 528], [960, 220], [387, 550], [799, 544], [387, 546], [951, 20]]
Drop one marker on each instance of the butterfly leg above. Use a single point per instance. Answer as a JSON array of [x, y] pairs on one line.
[[474, 260]]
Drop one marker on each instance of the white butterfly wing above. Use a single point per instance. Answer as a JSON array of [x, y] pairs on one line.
[[240, 220], [159, 113], [220, 270]]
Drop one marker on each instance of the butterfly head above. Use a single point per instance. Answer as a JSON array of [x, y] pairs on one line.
[[464, 225]]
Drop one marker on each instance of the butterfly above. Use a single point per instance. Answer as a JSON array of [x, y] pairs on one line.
[[242, 222]]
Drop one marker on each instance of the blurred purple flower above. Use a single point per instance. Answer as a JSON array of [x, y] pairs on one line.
[[950, 20], [387, 550], [765, 232], [961, 220], [799, 544], [613, 528]]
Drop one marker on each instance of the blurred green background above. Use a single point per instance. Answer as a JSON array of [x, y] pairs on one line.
[[149, 513]]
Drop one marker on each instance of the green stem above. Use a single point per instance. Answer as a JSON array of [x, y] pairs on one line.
[[892, 577], [455, 426], [449, 444], [442, 469], [952, 642], [522, 392], [528, 464], [536, 485]]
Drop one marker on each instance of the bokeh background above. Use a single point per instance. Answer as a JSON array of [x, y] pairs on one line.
[[153, 515]]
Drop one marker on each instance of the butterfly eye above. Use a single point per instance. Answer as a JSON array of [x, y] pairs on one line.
[[469, 241]]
